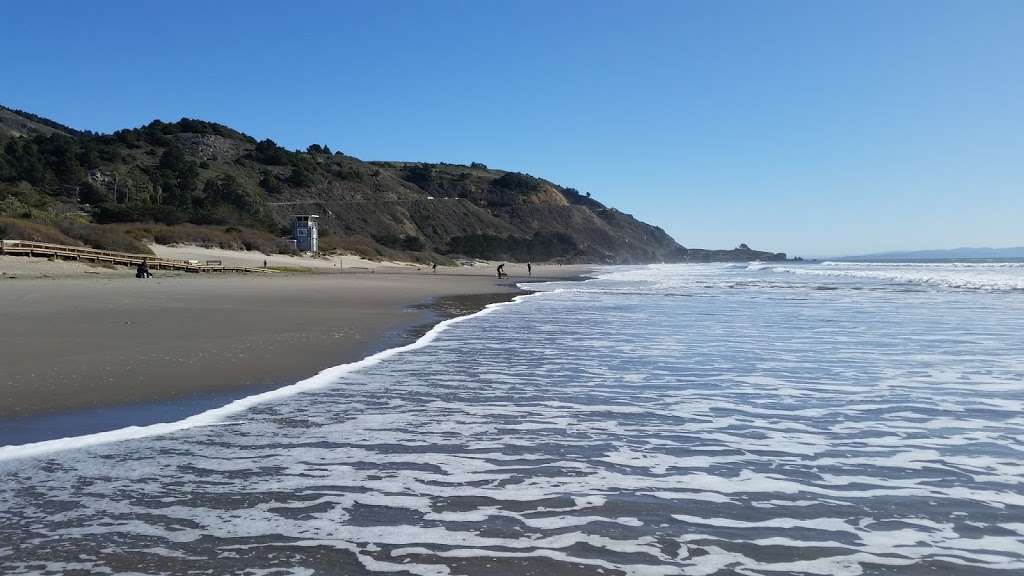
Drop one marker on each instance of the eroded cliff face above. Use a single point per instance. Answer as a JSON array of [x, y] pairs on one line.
[[207, 174], [198, 172]]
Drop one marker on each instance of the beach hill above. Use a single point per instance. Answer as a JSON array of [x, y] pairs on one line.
[[193, 181]]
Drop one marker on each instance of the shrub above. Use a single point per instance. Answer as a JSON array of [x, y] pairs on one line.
[[406, 242], [264, 242], [540, 247], [348, 173], [226, 189], [421, 175], [230, 238], [413, 244], [268, 152], [272, 184], [15, 229], [90, 193], [103, 237], [109, 213], [23, 194], [301, 177], [357, 244], [515, 182]]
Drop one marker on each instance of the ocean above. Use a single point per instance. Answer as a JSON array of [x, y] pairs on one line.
[[732, 419]]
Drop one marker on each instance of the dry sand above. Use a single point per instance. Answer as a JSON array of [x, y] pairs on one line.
[[256, 259], [98, 341], [21, 267], [335, 263]]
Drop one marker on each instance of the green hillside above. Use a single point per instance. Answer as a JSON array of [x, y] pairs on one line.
[[197, 181]]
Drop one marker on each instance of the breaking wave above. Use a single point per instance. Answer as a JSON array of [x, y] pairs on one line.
[[760, 426], [966, 276]]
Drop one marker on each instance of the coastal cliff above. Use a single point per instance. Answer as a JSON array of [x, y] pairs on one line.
[[202, 182]]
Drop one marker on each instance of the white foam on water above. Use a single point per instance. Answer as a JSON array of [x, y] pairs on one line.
[[216, 416], [685, 279], [760, 427], [927, 265], [630, 570], [833, 524], [550, 522], [972, 277]]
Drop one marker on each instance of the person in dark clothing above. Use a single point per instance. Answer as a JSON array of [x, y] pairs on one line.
[[529, 269], [501, 271], [142, 270], [434, 267]]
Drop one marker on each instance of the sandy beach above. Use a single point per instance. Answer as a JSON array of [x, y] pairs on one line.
[[107, 339]]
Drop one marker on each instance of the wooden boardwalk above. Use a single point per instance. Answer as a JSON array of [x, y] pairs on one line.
[[64, 252]]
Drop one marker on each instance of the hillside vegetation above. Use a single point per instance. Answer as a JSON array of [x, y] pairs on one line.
[[202, 182]]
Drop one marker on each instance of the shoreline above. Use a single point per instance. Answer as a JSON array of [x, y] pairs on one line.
[[75, 346], [213, 415]]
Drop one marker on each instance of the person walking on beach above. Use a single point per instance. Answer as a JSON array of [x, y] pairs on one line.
[[529, 269], [501, 271], [434, 267]]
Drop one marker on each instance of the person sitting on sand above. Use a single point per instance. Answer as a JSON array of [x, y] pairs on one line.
[[142, 271]]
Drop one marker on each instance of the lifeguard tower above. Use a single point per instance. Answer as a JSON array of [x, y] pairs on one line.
[[304, 232]]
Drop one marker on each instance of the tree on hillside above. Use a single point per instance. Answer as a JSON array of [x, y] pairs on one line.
[[271, 184], [516, 182], [178, 177], [90, 193], [226, 189], [301, 177], [419, 174], [60, 155], [268, 152], [27, 163], [318, 149]]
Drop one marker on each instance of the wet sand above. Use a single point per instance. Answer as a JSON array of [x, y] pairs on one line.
[[84, 343]]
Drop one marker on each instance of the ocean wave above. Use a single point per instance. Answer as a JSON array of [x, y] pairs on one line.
[[597, 428], [687, 279], [936, 265], [975, 278]]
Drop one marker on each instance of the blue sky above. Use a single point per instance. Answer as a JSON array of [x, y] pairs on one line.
[[813, 127]]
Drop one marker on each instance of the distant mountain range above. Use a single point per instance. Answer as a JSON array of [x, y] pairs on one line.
[[948, 254], [193, 180]]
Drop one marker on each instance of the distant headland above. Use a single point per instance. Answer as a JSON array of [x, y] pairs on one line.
[[944, 254]]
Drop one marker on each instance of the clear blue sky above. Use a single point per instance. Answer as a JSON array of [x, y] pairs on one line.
[[814, 127]]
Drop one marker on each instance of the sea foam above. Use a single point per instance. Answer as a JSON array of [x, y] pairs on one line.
[[219, 415], [705, 419]]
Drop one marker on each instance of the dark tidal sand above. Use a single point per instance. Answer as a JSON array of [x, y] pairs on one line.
[[85, 343]]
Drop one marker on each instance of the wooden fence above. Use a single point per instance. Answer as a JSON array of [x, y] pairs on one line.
[[63, 252]]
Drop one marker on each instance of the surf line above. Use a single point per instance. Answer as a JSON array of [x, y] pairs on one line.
[[216, 416]]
